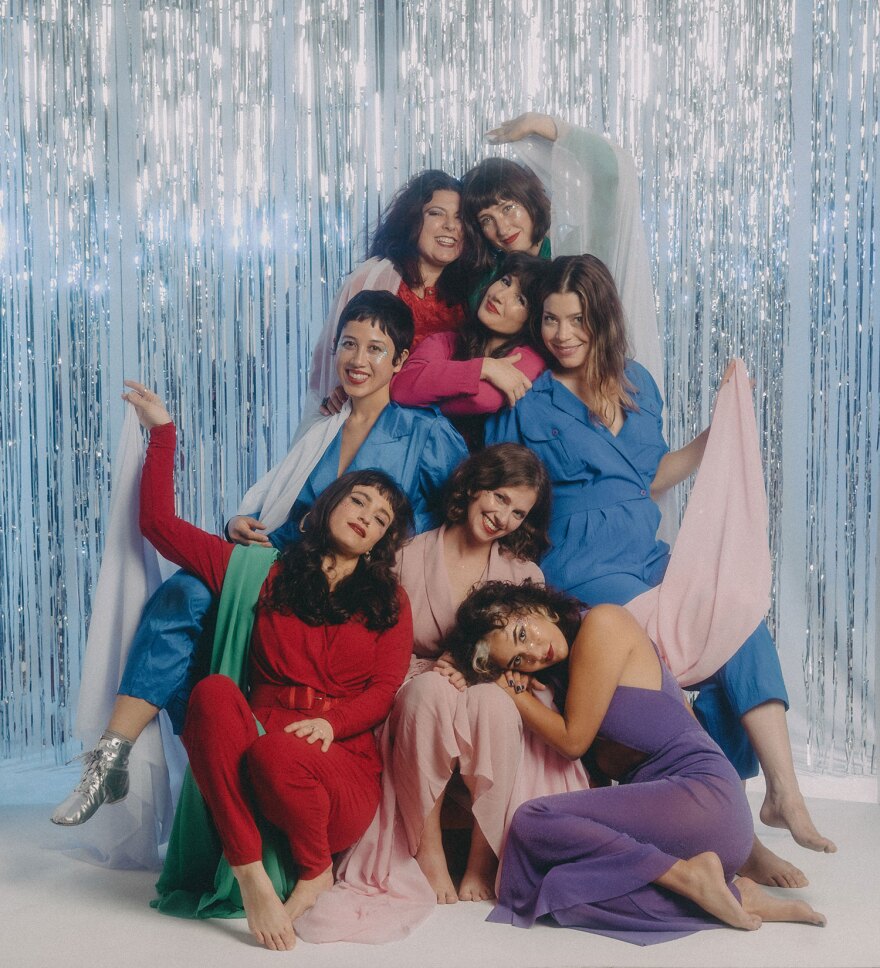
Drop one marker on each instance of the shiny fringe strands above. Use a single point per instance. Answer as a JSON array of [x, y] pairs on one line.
[[183, 186]]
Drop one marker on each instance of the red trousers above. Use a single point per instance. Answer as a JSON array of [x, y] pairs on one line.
[[323, 802]]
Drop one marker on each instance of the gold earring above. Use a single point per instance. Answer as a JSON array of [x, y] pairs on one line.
[[302, 524]]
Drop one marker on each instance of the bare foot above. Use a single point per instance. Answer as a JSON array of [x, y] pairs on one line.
[[478, 883], [758, 902], [476, 886], [702, 880], [265, 913], [432, 861], [306, 893], [790, 811], [765, 867]]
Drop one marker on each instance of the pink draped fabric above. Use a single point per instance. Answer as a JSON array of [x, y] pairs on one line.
[[717, 587]]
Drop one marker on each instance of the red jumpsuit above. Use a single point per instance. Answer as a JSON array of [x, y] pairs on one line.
[[323, 802]]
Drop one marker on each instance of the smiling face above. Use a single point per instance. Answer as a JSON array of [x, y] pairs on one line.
[[508, 226], [499, 512], [359, 520], [441, 238], [564, 330], [504, 309], [365, 358], [529, 642]]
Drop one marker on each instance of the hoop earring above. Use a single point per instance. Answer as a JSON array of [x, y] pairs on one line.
[[302, 524]]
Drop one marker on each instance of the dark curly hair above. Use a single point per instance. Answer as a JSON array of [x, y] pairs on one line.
[[370, 592], [491, 607], [504, 465], [491, 182], [397, 233], [474, 336]]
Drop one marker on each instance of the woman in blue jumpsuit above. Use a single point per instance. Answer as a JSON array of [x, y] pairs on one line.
[[595, 419], [418, 448]]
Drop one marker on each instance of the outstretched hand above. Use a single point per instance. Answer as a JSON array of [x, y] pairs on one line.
[[149, 408], [521, 127]]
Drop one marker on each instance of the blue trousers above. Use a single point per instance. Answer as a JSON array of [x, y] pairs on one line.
[[752, 676], [172, 646]]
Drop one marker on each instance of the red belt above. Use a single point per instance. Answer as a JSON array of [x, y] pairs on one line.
[[301, 698]]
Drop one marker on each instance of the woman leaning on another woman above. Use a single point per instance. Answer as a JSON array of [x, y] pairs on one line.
[[595, 419], [648, 860], [488, 363]]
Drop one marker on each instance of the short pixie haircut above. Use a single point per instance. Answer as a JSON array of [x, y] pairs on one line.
[[497, 180], [504, 465], [490, 607], [390, 313]]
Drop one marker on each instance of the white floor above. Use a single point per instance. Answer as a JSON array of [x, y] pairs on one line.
[[59, 911]]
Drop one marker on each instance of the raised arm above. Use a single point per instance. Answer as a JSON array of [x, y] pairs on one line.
[[198, 552]]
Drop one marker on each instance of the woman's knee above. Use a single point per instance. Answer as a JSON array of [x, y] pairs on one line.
[[212, 694], [428, 695], [492, 708]]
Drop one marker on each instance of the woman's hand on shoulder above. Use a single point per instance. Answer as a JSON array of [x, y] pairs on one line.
[[447, 667], [521, 127], [333, 402], [313, 731], [505, 377], [245, 530], [149, 408]]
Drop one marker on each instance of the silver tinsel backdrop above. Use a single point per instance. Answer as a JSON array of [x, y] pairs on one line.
[[184, 184]]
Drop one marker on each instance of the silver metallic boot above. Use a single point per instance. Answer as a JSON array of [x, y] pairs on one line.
[[104, 780]]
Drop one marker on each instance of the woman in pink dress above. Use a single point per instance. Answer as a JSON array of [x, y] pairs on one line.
[[495, 526]]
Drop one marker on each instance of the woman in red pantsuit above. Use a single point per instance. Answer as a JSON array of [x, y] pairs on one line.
[[330, 646]]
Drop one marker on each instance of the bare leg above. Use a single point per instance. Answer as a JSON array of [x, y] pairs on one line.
[[266, 917], [758, 902], [131, 716], [432, 859], [702, 880], [784, 804], [478, 882], [306, 893], [765, 867]]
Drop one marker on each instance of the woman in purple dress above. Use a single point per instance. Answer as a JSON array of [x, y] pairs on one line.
[[654, 857]]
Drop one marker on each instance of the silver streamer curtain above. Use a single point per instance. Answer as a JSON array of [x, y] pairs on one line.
[[183, 185]]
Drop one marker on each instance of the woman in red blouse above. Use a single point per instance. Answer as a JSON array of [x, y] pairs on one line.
[[414, 253], [330, 646]]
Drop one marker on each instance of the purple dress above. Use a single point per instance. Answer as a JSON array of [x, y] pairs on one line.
[[587, 859]]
